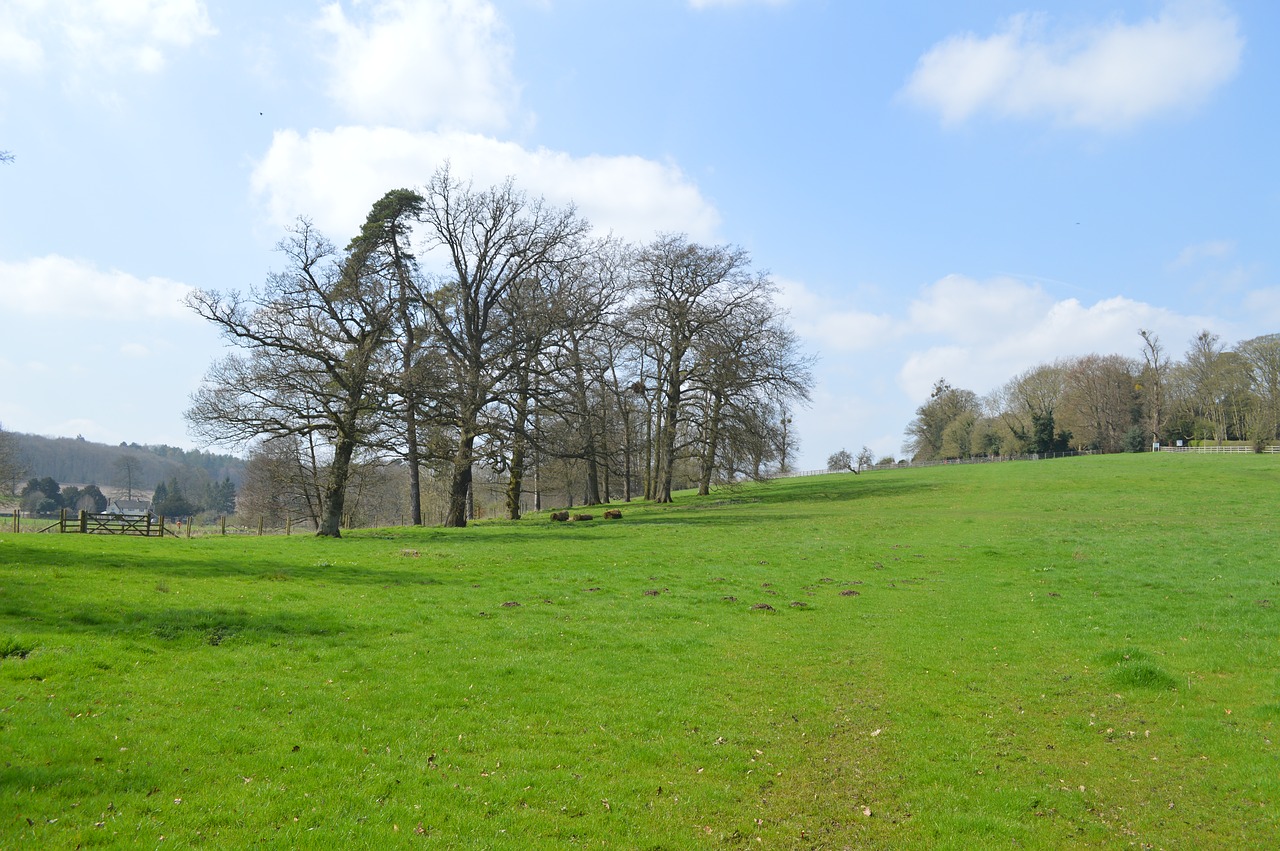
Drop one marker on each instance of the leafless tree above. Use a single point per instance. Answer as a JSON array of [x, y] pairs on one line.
[[684, 291], [1100, 401], [749, 359], [315, 341], [127, 468], [1262, 358], [926, 434], [1155, 374], [492, 239]]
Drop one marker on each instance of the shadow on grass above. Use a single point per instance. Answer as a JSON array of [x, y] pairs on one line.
[[328, 562], [718, 507], [211, 625]]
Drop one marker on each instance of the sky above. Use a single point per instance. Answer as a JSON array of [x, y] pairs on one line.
[[939, 189]]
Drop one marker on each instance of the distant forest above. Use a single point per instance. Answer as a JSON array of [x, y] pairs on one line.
[[78, 461]]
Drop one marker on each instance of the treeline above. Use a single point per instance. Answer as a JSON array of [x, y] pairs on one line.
[[1112, 403], [134, 469], [541, 355], [45, 498]]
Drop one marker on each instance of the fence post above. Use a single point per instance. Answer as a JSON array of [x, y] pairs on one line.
[[223, 522], [161, 525], [84, 522], [288, 525], [17, 522], [62, 520], [259, 525], [189, 519], [148, 526]]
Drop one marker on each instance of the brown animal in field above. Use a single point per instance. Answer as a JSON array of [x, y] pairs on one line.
[[580, 517], [560, 516], [613, 514]]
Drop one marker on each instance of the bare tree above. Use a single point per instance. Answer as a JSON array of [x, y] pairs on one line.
[[1216, 386], [927, 432], [685, 290], [127, 467], [1262, 358], [492, 239], [1155, 373], [1100, 402], [750, 358], [841, 461], [1027, 405], [313, 336], [283, 481]]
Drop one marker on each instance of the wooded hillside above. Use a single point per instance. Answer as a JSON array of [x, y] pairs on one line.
[[78, 461]]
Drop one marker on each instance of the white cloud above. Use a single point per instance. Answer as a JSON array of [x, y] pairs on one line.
[[968, 310], [441, 64], [1213, 249], [979, 334], [832, 327], [1264, 305], [333, 177], [19, 50], [72, 289], [1108, 77], [77, 37]]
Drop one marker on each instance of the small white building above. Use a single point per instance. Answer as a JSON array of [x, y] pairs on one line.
[[129, 507]]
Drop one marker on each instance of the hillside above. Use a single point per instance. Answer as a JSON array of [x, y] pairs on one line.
[[1053, 654], [82, 462]]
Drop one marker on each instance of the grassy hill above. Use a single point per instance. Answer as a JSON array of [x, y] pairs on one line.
[[1070, 653]]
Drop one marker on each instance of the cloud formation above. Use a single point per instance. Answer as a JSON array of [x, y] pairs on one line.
[[1108, 77], [333, 177], [78, 36], [440, 64], [56, 286]]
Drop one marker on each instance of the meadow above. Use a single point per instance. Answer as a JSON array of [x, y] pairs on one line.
[[1082, 652]]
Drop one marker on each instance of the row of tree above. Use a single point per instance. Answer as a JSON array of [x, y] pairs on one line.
[[536, 343], [131, 467], [170, 499], [1111, 403], [45, 497]]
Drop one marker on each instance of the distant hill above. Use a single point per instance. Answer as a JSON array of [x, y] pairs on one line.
[[70, 460]]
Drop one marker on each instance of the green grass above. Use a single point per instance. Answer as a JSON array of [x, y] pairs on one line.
[[1072, 653]]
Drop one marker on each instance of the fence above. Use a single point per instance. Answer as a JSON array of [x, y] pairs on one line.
[[144, 526], [992, 459], [985, 459], [1216, 449], [89, 523]]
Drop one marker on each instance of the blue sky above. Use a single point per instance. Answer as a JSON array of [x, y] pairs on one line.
[[941, 189]]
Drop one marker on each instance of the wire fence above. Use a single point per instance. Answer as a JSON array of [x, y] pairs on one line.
[[1042, 456]]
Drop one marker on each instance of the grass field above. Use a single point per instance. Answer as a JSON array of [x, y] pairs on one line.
[[1073, 653]]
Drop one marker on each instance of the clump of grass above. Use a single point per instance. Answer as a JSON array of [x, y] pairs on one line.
[[15, 648], [1131, 668]]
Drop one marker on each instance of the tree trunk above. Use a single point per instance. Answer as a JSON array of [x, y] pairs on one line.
[[335, 495], [515, 485], [519, 422], [713, 440], [415, 480], [460, 482], [667, 431]]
